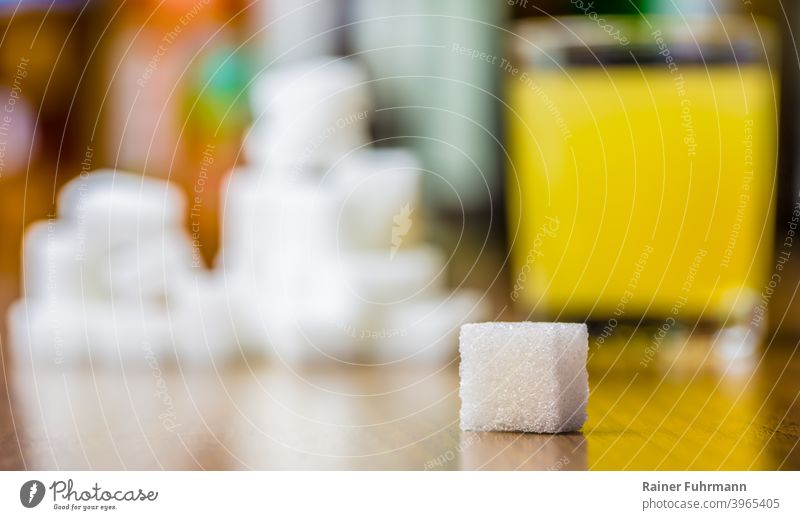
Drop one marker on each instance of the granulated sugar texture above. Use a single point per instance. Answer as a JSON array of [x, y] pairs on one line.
[[528, 377]]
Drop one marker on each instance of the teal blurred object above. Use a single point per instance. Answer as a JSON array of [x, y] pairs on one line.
[[439, 101], [218, 90], [686, 7], [635, 7]]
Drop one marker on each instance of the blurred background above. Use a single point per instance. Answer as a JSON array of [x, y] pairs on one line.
[[347, 181]]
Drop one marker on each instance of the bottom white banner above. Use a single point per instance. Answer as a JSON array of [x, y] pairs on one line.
[[399, 494]]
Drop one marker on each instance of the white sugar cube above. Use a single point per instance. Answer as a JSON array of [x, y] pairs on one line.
[[272, 223], [302, 144], [384, 186], [155, 268], [54, 265], [201, 322], [109, 333], [123, 207], [328, 82], [309, 113], [60, 263], [291, 325], [376, 277], [528, 377], [294, 34]]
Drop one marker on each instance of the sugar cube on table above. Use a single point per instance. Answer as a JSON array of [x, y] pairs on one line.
[[528, 377]]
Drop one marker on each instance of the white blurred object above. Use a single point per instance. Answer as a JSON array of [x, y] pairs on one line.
[[279, 256], [100, 331], [338, 84], [104, 279], [276, 222], [376, 277], [53, 265], [411, 48], [308, 113], [302, 296], [153, 268], [736, 342], [380, 197], [126, 232], [296, 29], [300, 147], [62, 263], [321, 247], [292, 330], [122, 206], [200, 322], [428, 328]]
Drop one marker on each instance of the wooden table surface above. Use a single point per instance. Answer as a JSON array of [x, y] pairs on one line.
[[683, 411]]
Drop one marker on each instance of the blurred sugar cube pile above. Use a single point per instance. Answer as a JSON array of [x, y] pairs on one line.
[[322, 254], [112, 276]]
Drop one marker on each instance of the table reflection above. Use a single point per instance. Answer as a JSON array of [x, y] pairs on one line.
[[684, 410]]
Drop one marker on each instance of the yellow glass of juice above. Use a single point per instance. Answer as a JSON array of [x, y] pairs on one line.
[[641, 177]]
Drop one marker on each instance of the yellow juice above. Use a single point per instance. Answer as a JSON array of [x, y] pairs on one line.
[[641, 190]]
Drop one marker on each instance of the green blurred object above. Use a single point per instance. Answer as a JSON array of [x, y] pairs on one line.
[[686, 7], [216, 96], [673, 7]]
